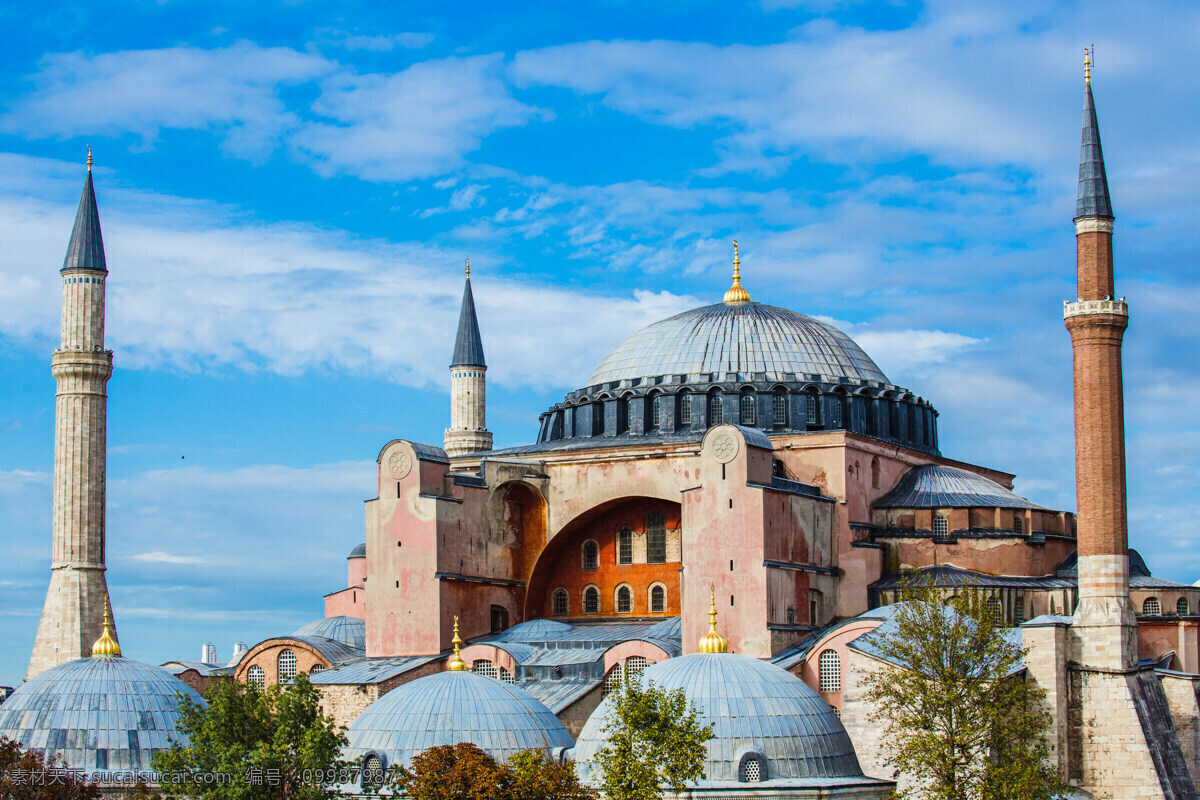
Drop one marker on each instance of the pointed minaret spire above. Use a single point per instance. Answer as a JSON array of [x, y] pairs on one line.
[[468, 431], [86, 248], [1092, 199]]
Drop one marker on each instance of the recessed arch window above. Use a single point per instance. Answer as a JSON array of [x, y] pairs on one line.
[[597, 418], [941, 528], [624, 599], [752, 769], [625, 545], [591, 600], [810, 407], [591, 555], [315, 669], [506, 676], [484, 667], [1181, 606], [561, 602], [875, 472], [716, 409], [829, 671], [635, 664], [685, 407], [287, 666], [839, 411], [656, 415], [256, 677], [779, 409], [372, 769], [1151, 607], [656, 538], [658, 599], [614, 679], [749, 408], [995, 610]]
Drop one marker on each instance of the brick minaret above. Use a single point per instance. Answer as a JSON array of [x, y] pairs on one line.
[[468, 431], [1097, 322], [71, 618]]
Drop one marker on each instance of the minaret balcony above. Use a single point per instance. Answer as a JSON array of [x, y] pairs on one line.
[[1086, 307]]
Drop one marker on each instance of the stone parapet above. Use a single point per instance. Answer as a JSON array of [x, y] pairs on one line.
[[1119, 308]]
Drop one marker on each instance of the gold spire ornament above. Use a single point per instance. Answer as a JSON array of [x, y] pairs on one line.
[[468, 267], [456, 664], [1087, 66], [106, 645], [736, 293], [89, 158], [713, 642]]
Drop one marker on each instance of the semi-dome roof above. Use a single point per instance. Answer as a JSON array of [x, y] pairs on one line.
[[739, 338], [754, 707], [452, 707], [347, 630], [99, 714], [940, 486]]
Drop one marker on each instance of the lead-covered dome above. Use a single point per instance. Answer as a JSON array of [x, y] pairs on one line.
[[101, 714], [350, 631], [759, 713], [739, 338]]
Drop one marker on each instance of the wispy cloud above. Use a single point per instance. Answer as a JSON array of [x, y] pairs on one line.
[[409, 40], [159, 557]]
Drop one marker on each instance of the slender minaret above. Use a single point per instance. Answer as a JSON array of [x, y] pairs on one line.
[[468, 431], [1097, 321], [71, 618]]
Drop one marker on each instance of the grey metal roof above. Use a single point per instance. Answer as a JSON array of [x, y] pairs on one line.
[[1092, 199], [751, 704], [452, 707], [86, 248], [178, 667], [557, 695], [369, 670], [563, 635], [742, 338], [468, 344], [359, 552], [350, 631], [99, 714], [335, 652], [949, 576], [938, 486]]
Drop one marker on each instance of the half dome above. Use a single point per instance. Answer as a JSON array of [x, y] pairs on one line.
[[350, 631]]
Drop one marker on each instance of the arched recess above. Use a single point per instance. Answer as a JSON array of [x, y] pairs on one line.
[[559, 565], [487, 652], [519, 520]]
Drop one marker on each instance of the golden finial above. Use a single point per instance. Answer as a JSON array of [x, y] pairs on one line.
[[106, 645], [736, 293], [468, 267], [713, 642], [1087, 65], [456, 663], [89, 158]]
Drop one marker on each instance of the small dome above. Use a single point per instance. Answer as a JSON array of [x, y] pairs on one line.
[[742, 337], [937, 486], [358, 552], [452, 707], [347, 630], [754, 706], [534, 630], [99, 714]]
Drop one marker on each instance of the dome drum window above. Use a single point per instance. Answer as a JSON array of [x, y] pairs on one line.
[[829, 671], [591, 555], [624, 600], [941, 528], [1181, 606], [1151, 607], [752, 768], [561, 602], [658, 599], [287, 666], [591, 600]]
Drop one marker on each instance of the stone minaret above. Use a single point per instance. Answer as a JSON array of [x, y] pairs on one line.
[[71, 618], [468, 431], [1097, 323]]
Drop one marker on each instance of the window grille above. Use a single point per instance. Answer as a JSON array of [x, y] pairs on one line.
[[829, 669], [1019, 610], [613, 680], [561, 603], [506, 676], [941, 529], [315, 669], [256, 677], [751, 771], [656, 538], [1018, 524], [837, 412], [591, 555], [716, 410], [625, 546], [624, 600], [685, 408], [635, 664], [591, 600], [1151, 607], [481, 666], [780, 407], [372, 769], [658, 600], [995, 610], [812, 409], [1181, 606], [287, 666], [749, 407]]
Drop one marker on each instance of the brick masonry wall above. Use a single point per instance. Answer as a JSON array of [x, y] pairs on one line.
[[1093, 255]]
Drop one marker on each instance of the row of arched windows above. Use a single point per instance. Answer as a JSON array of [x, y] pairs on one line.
[[656, 600], [656, 544], [1152, 607], [285, 669]]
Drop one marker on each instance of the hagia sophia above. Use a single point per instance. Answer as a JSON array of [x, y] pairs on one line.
[[729, 504]]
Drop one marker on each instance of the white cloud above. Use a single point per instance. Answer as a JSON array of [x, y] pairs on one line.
[[159, 557]]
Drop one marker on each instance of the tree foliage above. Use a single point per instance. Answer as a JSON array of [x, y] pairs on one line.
[[959, 720], [249, 744], [463, 771], [655, 740], [29, 775]]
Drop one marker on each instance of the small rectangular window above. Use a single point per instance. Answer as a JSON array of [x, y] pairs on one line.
[[941, 528], [625, 546], [1018, 524], [656, 538]]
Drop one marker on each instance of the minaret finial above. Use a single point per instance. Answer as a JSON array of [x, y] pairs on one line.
[[713, 642], [1087, 65], [89, 158], [456, 664], [106, 645], [468, 266], [736, 293]]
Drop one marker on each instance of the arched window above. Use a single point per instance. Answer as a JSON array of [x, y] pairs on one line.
[[625, 546], [591, 555], [656, 538], [1181, 606], [372, 769], [597, 418], [749, 406], [1151, 607], [872, 427], [561, 602], [591, 600], [779, 409], [829, 671], [614, 679], [941, 528], [287, 666], [716, 409], [811, 416], [875, 472], [635, 664], [556, 430], [624, 414], [752, 769], [256, 677], [839, 412], [315, 669], [655, 413], [995, 610], [481, 666], [685, 407], [624, 600], [658, 599], [506, 676]]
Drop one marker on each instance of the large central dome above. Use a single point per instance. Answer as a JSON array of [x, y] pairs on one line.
[[740, 338]]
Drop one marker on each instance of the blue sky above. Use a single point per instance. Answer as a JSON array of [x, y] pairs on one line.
[[288, 191]]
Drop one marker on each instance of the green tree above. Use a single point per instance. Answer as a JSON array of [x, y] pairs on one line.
[[536, 776], [655, 740], [29, 775], [960, 721], [249, 744]]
